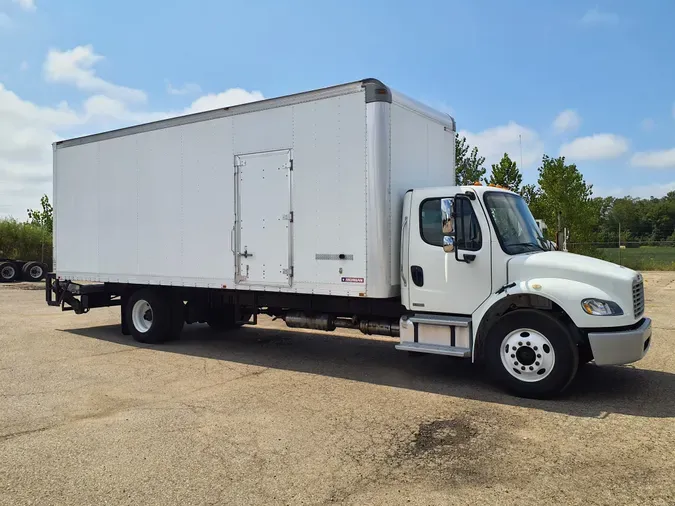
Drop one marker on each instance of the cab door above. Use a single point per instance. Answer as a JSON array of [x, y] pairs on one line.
[[455, 279]]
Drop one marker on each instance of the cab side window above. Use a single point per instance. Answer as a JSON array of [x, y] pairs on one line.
[[431, 225], [431, 222]]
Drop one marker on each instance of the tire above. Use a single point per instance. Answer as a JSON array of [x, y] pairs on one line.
[[8, 272], [528, 369], [154, 316], [34, 271]]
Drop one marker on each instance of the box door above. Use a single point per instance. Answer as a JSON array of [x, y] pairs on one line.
[[263, 250]]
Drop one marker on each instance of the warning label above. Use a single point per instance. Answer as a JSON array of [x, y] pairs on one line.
[[353, 280]]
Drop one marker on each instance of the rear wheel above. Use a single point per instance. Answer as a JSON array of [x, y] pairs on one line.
[[33, 271], [532, 354], [8, 272], [154, 316]]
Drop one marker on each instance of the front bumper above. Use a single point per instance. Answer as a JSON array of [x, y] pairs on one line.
[[621, 347]]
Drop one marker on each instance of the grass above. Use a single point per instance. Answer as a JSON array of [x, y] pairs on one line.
[[644, 258]]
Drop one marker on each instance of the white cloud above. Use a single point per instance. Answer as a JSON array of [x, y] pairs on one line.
[[27, 131], [494, 142], [640, 191], [595, 147], [27, 5], [664, 159], [566, 121], [76, 67], [228, 98], [186, 89], [648, 124], [597, 17]]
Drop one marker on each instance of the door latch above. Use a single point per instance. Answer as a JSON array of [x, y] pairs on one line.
[[246, 254]]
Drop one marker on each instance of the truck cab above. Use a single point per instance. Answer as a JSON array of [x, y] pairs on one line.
[[479, 280]]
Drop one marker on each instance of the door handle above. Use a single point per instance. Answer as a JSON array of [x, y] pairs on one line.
[[417, 275], [246, 254]]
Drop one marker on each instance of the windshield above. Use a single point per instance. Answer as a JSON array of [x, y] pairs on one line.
[[516, 228]]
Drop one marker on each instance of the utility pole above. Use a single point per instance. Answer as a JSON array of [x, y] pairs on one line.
[[619, 243]]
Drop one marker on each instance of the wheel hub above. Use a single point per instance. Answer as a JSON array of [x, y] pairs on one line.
[[35, 272], [527, 355], [8, 272], [141, 315]]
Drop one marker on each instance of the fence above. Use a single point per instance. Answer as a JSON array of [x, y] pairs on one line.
[[644, 256]]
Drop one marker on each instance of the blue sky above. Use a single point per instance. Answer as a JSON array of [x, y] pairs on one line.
[[592, 80]]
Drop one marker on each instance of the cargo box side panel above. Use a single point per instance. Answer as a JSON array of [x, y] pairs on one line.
[[329, 195], [422, 155], [118, 208], [76, 210], [208, 203]]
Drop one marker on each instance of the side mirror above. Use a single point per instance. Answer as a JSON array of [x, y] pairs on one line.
[[448, 244], [459, 212], [446, 217]]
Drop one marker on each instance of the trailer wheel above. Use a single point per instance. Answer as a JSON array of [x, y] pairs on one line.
[[8, 272], [531, 354], [154, 316], [33, 271]]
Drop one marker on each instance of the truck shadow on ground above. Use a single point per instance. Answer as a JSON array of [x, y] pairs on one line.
[[595, 393]]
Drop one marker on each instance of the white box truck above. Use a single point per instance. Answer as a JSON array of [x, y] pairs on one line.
[[334, 208]]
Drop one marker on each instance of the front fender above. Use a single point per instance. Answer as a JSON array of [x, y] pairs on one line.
[[565, 293]]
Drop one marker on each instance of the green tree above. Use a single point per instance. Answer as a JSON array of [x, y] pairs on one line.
[[43, 218], [563, 190], [506, 174], [468, 165]]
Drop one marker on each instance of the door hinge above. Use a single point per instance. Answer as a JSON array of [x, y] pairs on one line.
[[287, 166], [288, 272], [288, 217], [239, 162]]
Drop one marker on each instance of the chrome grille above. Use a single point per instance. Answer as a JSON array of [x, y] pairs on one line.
[[638, 297]]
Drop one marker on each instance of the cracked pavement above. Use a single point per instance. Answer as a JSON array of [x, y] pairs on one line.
[[265, 415]]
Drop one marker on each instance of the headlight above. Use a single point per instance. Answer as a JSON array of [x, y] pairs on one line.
[[599, 307]]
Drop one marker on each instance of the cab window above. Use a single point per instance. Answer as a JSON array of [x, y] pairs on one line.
[[431, 225]]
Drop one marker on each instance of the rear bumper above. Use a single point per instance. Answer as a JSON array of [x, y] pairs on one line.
[[621, 347]]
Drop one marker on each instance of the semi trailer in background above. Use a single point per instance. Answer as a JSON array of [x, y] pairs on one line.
[[334, 208], [21, 270]]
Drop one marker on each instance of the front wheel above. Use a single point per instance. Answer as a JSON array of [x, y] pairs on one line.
[[531, 354]]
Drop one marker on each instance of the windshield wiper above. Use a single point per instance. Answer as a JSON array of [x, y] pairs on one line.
[[534, 244]]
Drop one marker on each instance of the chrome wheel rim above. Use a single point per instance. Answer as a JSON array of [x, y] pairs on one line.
[[141, 315], [527, 355]]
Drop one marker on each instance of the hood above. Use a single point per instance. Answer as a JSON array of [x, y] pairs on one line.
[[559, 264]]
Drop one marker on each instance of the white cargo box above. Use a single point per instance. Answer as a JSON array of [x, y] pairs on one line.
[[296, 194]]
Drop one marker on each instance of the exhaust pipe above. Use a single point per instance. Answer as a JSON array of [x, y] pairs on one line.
[[329, 323]]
